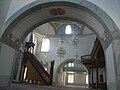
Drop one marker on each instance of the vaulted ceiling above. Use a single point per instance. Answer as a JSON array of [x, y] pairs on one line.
[[50, 29]]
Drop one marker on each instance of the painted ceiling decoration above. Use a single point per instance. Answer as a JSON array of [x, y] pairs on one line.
[[56, 11]]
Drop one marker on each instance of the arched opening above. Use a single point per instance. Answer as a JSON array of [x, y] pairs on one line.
[[15, 33], [71, 73]]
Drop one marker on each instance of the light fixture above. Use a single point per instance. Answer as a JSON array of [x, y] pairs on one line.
[[60, 50], [76, 60], [75, 40]]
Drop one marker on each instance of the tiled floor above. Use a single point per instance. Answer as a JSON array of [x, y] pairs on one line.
[[37, 87]]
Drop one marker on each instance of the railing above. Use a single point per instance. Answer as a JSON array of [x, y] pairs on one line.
[[38, 66], [85, 57]]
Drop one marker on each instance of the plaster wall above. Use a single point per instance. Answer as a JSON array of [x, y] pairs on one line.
[[6, 65], [110, 68], [80, 79], [17, 5], [4, 7], [111, 7], [116, 49], [84, 47]]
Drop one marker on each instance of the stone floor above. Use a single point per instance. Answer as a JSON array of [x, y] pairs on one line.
[[37, 87]]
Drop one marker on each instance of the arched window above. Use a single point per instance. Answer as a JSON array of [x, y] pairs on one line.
[[68, 29], [71, 64], [45, 45]]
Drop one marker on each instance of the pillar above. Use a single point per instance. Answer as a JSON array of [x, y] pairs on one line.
[[89, 77], [110, 69], [97, 75], [51, 72], [116, 51], [92, 76]]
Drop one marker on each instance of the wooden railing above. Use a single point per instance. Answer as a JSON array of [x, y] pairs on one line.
[[38, 67]]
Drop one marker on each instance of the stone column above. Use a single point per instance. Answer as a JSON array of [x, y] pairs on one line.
[[97, 76], [92, 75], [116, 51], [110, 68], [89, 77]]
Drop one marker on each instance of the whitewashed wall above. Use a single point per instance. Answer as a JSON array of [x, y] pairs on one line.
[[4, 7], [84, 47], [6, 65]]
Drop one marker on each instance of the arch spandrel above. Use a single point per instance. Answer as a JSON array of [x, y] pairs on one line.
[[25, 20]]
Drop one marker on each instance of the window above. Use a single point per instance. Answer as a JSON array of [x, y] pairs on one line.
[[86, 78], [25, 73], [68, 29], [45, 45], [71, 64], [70, 78]]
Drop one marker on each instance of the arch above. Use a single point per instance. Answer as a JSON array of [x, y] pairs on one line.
[[13, 35], [61, 65], [38, 12]]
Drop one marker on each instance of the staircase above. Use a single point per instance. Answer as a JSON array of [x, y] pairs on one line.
[[38, 67]]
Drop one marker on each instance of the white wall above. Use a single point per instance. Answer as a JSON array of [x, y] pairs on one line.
[[80, 79], [111, 7], [4, 7], [84, 47], [116, 51], [110, 69], [6, 65], [17, 5]]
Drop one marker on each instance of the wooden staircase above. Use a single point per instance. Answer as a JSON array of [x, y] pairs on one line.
[[43, 74]]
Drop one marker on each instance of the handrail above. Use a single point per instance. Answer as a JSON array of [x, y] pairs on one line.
[[38, 66]]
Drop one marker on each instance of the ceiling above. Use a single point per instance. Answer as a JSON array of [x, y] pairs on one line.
[[50, 29]]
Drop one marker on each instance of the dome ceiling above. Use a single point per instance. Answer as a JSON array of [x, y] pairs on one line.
[[50, 29]]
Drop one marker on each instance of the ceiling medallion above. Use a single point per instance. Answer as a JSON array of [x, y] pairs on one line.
[[56, 11]]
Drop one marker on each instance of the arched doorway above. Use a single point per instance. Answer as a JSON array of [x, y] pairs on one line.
[[71, 73]]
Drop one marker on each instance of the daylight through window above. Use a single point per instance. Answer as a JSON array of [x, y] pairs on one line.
[[45, 45], [68, 29]]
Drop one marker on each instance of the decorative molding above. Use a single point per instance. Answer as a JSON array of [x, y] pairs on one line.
[[12, 37], [56, 11]]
